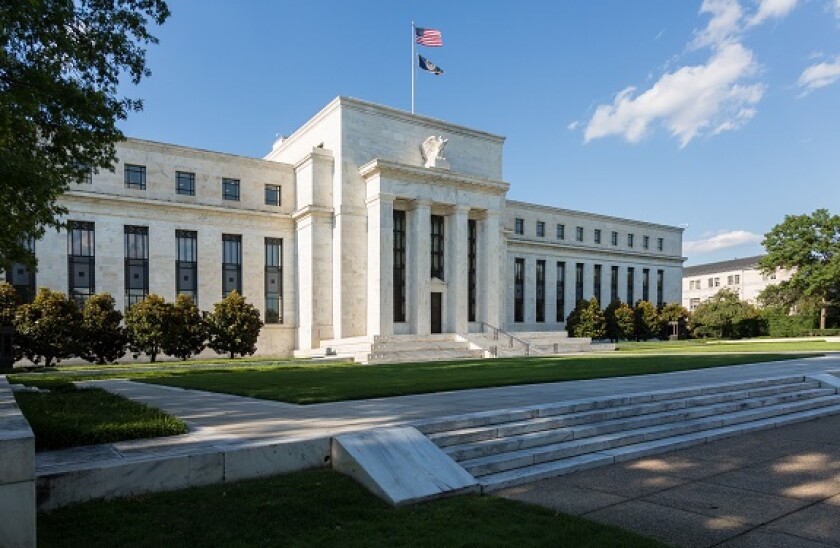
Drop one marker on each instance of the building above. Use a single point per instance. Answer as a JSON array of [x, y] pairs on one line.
[[742, 276], [359, 224]]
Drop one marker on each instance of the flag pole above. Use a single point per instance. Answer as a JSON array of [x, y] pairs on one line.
[[413, 70]]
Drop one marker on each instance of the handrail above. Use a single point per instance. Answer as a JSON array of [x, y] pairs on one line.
[[496, 331]]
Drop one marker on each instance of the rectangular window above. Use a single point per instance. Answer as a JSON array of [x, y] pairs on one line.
[[22, 277], [80, 259], [87, 179], [437, 247], [230, 189], [660, 243], [630, 239], [660, 288], [646, 284], [631, 282], [646, 242], [135, 177], [273, 280], [729, 280], [579, 234], [596, 282], [613, 283], [185, 183], [578, 282], [596, 235], [519, 290], [711, 282], [399, 266], [472, 279], [540, 229], [519, 226], [136, 264], [561, 291], [561, 232], [540, 312], [614, 238], [186, 264], [717, 282], [693, 303], [231, 264], [272, 195], [737, 279]]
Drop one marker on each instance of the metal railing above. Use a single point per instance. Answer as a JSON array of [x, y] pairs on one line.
[[485, 327]]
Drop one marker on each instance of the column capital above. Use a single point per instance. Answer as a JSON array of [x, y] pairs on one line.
[[381, 198], [463, 209]]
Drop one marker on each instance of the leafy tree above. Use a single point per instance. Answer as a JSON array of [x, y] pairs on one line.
[[60, 70], [146, 323], [619, 321], [724, 315], [49, 328], [673, 312], [809, 245], [647, 322], [103, 339], [8, 304], [234, 326], [587, 320], [186, 332]]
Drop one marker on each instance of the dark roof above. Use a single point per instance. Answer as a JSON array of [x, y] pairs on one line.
[[722, 266]]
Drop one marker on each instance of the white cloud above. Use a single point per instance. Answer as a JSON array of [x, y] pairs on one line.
[[819, 75], [723, 26], [687, 101], [719, 241], [772, 9], [573, 125], [837, 8]]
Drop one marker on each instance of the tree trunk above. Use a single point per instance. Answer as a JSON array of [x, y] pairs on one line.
[[823, 313], [232, 355]]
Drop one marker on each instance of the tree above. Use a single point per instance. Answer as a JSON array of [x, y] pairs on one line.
[[8, 304], [234, 326], [103, 339], [725, 316], [810, 246], [646, 320], [146, 323], [619, 321], [587, 320], [60, 72], [49, 328], [186, 332]]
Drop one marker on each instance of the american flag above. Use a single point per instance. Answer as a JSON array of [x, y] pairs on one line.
[[428, 37]]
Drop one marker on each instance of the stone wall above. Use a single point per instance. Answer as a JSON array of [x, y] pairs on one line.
[[17, 474]]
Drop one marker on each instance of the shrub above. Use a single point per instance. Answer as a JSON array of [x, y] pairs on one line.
[[725, 316], [234, 326], [781, 324], [186, 333], [146, 324], [619, 321], [647, 322], [49, 328], [587, 320], [103, 339], [672, 312]]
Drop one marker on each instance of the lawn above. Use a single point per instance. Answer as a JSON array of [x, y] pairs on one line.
[[68, 417], [316, 508], [699, 346]]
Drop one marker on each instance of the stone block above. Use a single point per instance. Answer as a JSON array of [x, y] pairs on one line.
[[266, 459], [17, 515]]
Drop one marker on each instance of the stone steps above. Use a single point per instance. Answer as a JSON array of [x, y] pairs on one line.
[[424, 355], [506, 448]]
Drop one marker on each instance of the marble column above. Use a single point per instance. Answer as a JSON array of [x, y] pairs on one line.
[[419, 268], [380, 256], [313, 225], [492, 290], [457, 271]]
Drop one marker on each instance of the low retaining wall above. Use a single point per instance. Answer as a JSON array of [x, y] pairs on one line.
[[17, 473]]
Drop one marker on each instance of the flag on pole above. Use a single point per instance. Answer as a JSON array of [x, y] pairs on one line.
[[428, 37], [428, 66]]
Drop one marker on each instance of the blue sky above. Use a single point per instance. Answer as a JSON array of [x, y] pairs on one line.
[[719, 114]]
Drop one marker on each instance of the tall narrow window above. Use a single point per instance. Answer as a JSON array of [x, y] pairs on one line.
[[472, 267], [614, 237], [540, 229], [272, 195], [230, 189], [186, 263], [646, 242], [579, 233], [399, 266], [80, 259], [631, 282], [561, 291], [630, 239], [22, 277], [646, 284], [519, 290], [231, 264], [561, 232], [519, 226], [136, 264], [660, 243], [185, 183], [660, 288], [437, 247], [135, 176], [596, 282], [578, 282], [273, 280], [540, 291], [596, 235], [613, 283]]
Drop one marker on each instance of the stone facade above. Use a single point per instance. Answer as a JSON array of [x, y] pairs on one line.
[[742, 276], [346, 177]]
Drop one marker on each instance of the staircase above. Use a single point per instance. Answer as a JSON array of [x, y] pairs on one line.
[[500, 344], [397, 349], [511, 447]]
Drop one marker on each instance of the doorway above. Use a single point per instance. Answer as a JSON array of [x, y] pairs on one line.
[[437, 312]]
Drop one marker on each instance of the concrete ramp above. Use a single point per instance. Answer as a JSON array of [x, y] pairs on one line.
[[400, 465]]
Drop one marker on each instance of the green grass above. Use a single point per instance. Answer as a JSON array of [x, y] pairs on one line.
[[70, 417], [316, 508], [697, 346]]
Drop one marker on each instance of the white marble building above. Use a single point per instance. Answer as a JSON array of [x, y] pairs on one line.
[[344, 232], [741, 276]]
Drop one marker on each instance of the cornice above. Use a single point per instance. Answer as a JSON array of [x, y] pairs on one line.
[[160, 147], [515, 242], [312, 211], [431, 175], [595, 216]]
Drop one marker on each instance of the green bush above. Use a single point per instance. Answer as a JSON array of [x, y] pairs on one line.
[[781, 324], [647, 323], [234, 326], [725, 316], [620, 323], [186, 333], [103, 339], [146, 324], [587, 320], [49, 328], [8, 304]]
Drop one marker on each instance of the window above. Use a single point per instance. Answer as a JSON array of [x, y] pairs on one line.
[[136, 264], [80, 259], [273, 280], [519, 290], [630, 238], [231, 264], [561, 232], [230, 189], [596, 282], [87, 178], [561, 291], [646, 284], [519, 226], [22, 277], [578, 282], [185, 183], [540, 229], [660, 243], [660, 288], [693, 303], [135, 177], [596, 235], [737, 279], [272, 195], [646, 242], [540, 291], [186, 264], [472, 274], [437, 247], [399, 266], [613, 283], [729, 280], [631, 274], [711, 282], [717, 282], [579, 234], [614, 237]]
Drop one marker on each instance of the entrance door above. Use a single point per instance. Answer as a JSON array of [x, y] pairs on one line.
[[437, 312]]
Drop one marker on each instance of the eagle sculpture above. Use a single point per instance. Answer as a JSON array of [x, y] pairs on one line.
[[432, 149]]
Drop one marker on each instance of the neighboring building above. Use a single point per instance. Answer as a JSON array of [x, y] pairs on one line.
[[346, 231], [742, 276]]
